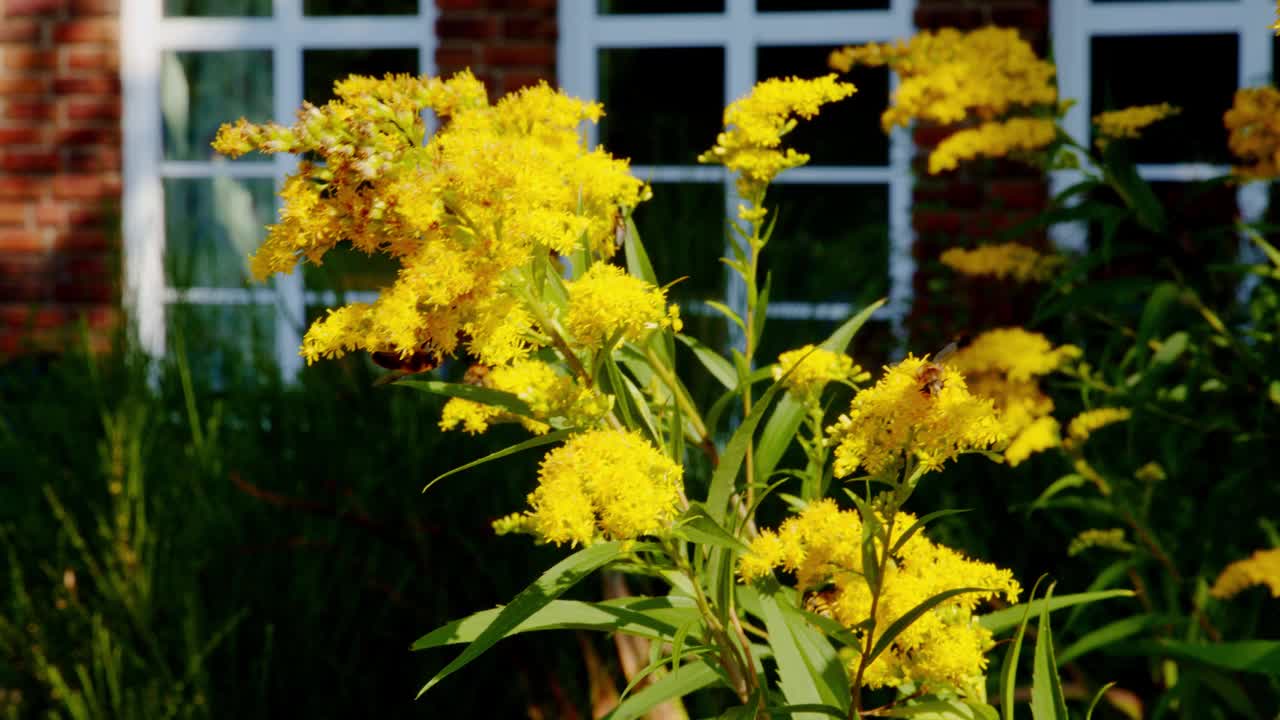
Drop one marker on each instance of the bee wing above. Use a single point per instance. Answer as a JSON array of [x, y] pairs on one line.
[[946, 352]]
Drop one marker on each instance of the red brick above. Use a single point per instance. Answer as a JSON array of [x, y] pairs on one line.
[[446, 5], [457, 57], [95, 214], [21, 187], [18, 58], [19, 136], [83, 289], [1026, 17], [1019, 194], [34, 318], [512, 81], [28, 111], [523, 5], [480, 28], [99, 160], [99, 84], [82, 8], [19, 31], [927, 137], [17, 161], [87, 59], [14, 8], [530, 28], [11, 85], [100, 109], [81, 136], [20, 241], [51, 214], [510, 55], [82, 240], [938, 221], [87, 30], [932, 17], [13, 214], [90, 187]]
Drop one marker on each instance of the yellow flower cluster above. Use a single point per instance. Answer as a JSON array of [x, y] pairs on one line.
[[1129, 122], [1262, 568], [606, 304], [948, 75], [1112, 539], [994, 139], [1005, 365], [1254, 126], [822, 546], [754, 125], [1003, 260], [609, 482], [811, 368], [547, 393], [495, 187], [918, 409], [1084, 424]]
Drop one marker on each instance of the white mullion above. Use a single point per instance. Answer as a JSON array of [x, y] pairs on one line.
[[1070, 37], [220, 296], [201, 169], [143, 221], [291, 31], [328, 32], [1165, 18], [738, 41], [845, 27], [1181, 172], [657, 31], [902, 263]]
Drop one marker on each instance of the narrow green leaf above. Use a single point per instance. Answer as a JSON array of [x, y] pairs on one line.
[[697, 525], [727, 312], [792, 710], [802, 677], [785, 421], [1065, 482], [638, 264], [722, 480], [715, 363], [1047, 701], [1256, 656], [1001, 620], [951, 709], [761, 310], [689, 678], [1172, 347], [553, 583], [1110, 634], [474, 393], [897, 626], [533, 442], [919, 525], [1102, 691], [1009, 668]]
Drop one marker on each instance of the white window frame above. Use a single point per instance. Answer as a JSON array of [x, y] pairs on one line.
[[740, 30], [1074, 23], [145, 35]]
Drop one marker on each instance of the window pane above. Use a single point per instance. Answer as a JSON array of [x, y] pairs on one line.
[[201, 90], [353, 7], [844, 133], [217, 8], [870, 347], [223, 343], [211, 225], [831, 243], [650, 7], [346, 268], [799, 5], [1130, 70], [321, 68], [663, 106], [683, 231]]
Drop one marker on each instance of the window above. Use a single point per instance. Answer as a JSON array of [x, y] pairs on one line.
[[1193, 54], [190, 218], [666, 70]]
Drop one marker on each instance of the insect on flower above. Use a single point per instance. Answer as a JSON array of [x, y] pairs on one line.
[[418, 361], [930, 374]]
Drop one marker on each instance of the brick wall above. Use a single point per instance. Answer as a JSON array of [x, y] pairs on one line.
[[59, 169], [508, 44], [974, 203]]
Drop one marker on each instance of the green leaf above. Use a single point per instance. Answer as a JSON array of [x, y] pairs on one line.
[[533, 442], [761, 311], [1047, 701], [952, 709], [804, 670], [1110, 634], [551, 585], [689, 678], [697, 526], [918, 525], [786, 418], [474, 393], [638, 264], [727, 312], [1256, 656], [654, 618], [1172, 347], [1072, 480], [1009, 668], [715, 363], [1001, 620], [722, 480], [792, 710], [1102, 691], [897, 626]]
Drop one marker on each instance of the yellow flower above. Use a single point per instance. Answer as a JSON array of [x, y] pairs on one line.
[[610, 482], [1112, 539], [754, 125], [918, 409], [548, 394], [1127, 123], [1013, 260], [1017, 353], [992, 139], [1262, 568], [1084, 424], [607, 302], [1254, 125], [812, 368], [1041, 434], [822, 546], [948, 75], [497, 187]]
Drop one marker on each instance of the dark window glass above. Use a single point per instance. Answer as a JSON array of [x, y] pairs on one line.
[[652, 7], [353, 7], [199, 91], [683, 230], [321, 68], [346, 268], [801, 5], [211, 225], [663, 105], [1129, 70], [831, 243], [217, 8], [223, 342], [844, 133]]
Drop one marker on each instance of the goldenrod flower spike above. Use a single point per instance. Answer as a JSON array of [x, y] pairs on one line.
[[1003, 260], [808, 370], [1015, 136], [607, 301], [1086, 423], [1254, 126], [1129, 122], [548, 394], [1261, 568]]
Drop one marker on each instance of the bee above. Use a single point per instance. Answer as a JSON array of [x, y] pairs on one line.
[[619, 230], [930, 375], [419, 361], [477, 375]]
